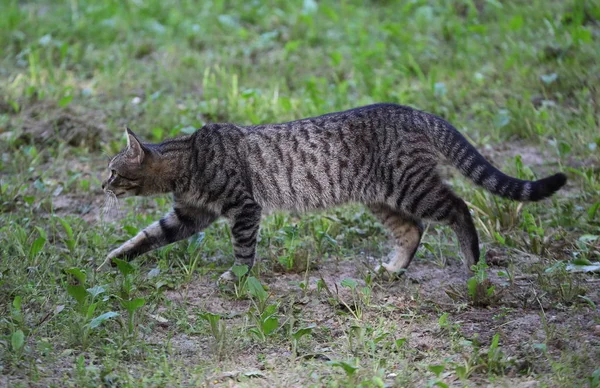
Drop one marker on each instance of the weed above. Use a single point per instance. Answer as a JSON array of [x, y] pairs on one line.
[[492, 361], [128, 288], [537, 240], [349, 368], [241, 285], [296, 335], [560, 283], [480, 292], [437, 370], [264, 315], [70, 239], [218, 331], [87, 303], [594, 379], [14, 341], [361, 297]]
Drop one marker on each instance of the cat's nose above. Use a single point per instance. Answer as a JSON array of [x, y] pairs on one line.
[[103, 185]]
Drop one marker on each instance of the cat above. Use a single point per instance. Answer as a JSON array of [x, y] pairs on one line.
[[383, 156]]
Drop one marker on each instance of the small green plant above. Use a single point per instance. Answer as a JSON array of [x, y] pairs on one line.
[[26, 247], [14, 323], [493, 360], [561, 284], [322, 286], [296, 335], [480, 292], [349, 368], [588, 248], [594, 379], [194, 252], [87, 302], [437, 370], [361, 297], [241, 284], [128, 288], [218, 330], [537, 239], [437, 243], [17, 341], [38, 244], [372, 342], [132, 306], [70, 239], [508, 274], [263, 314], [495, 357], [294, 256], [320, 231], [451, 329]]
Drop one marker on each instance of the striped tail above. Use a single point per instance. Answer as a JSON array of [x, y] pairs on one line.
[[462, 155]]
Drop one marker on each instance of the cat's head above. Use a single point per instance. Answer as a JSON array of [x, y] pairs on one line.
[[135, 171]]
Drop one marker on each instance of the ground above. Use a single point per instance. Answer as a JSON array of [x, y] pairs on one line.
[[519, 79]]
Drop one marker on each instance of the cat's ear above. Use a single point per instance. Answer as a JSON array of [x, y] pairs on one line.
[[135, 148]]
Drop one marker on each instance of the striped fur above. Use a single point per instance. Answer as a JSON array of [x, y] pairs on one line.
[[383, 156]]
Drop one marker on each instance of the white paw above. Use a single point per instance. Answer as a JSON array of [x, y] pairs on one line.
[[111, 255], [385, 267], [106, 263], [388, 269], [227, 277]]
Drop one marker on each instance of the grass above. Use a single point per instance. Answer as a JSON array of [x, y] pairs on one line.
[[520, 79]]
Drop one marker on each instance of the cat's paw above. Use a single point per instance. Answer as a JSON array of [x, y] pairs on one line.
[[389, 270], [383, 268], [108, 261], [226, 277]]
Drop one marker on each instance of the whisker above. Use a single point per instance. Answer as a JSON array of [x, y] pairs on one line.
[[110, 205]]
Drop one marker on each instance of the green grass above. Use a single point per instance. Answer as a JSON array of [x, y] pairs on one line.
[[519, 78]]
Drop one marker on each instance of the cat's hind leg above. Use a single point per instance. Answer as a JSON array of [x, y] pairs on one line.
[[406, 233], [439, 204]]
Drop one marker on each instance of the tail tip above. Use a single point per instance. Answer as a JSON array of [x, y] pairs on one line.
[[559, 180], [547, 186]]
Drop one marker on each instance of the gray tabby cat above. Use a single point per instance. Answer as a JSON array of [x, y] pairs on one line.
[[384, 156]]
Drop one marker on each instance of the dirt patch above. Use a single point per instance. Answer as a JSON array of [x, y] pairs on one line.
[[410, 305], [48, 124]]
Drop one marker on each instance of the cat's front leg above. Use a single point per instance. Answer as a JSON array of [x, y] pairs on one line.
[[179, 223], [245, 222]]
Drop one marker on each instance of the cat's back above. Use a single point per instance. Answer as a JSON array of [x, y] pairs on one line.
[[356, 118], [314, 162]]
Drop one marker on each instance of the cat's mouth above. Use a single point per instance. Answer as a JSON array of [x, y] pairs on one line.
[[115, 194], [124, 192]]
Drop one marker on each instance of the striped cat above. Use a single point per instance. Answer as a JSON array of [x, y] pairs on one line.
[[384, 156]]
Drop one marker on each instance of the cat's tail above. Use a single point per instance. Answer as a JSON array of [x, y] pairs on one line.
[[462, 155]]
